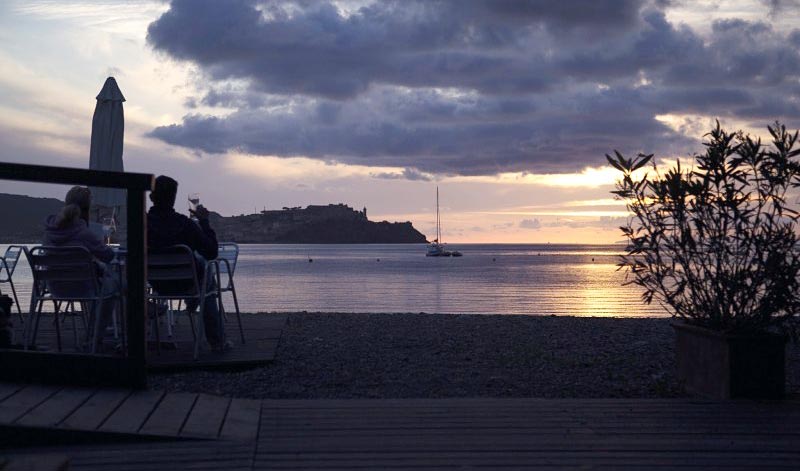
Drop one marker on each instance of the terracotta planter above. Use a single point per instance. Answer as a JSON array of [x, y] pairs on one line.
[[727, 366]]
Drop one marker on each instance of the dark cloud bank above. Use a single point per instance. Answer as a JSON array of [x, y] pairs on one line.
[[467, 87]]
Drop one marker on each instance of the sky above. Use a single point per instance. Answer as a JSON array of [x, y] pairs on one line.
[[507, 106]]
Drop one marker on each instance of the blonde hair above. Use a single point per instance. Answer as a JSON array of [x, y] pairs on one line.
[[77, 202]]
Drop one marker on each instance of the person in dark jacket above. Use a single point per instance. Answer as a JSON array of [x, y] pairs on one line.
[[69, 228], [165, 228]]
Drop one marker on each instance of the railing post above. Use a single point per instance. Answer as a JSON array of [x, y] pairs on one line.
[[137, 274]]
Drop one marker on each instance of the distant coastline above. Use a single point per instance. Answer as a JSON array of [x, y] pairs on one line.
[[314, 224], [23, 217]]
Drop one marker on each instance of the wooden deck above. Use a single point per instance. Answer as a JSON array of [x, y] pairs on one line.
[[528, 433], [262, 334], [66, 413], [399, 433]]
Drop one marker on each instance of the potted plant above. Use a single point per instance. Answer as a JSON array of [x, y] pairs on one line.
[[716, 245]]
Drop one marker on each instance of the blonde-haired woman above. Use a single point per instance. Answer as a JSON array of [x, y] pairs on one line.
[[69, 228]]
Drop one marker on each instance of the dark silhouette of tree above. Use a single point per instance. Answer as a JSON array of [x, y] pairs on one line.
[[717, 244]]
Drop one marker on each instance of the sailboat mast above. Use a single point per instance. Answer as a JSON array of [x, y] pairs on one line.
[[438, 220]]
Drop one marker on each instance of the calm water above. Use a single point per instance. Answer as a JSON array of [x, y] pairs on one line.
[[578, 280]]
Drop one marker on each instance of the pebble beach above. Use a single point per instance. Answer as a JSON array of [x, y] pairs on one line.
[[341, 355]]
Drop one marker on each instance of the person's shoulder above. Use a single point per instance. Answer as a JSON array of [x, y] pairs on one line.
[[90, 232], [180, 217], [167, 215]]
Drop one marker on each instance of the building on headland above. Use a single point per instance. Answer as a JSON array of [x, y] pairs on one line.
[[314, 212]]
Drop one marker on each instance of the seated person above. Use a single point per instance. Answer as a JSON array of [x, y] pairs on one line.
[[165, 228], [69, 228]]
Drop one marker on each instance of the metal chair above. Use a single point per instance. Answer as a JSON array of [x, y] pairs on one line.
[[64, 275], [228, 255], [8, 263], [172, 275]]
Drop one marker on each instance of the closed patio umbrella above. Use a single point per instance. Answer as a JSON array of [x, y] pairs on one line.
[[108, 127]]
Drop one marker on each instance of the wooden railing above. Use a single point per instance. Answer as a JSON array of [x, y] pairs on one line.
[[127, 370]]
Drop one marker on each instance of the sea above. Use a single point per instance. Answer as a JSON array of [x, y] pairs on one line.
[[511, 279]]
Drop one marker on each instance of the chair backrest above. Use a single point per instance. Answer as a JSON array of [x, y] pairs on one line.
[[230, 252], [66, 272], [172, 271], [11, 258]]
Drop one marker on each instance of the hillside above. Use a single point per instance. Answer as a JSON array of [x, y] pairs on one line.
[[331, 224], [22, 217]]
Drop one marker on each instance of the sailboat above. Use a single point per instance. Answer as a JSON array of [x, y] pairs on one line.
[[436, 248]]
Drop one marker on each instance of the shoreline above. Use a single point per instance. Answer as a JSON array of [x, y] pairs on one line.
[[393, 355]]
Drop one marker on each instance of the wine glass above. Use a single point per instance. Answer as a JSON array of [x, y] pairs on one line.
[[109, 228], [194, 201]]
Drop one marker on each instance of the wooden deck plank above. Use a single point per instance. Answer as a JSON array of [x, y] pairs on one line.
[[39, 462], [173, 455], [206, 417], [242, 420], [22, 401], [133, 412], [255, 352], [520, 462], [95, 410], [56, 408], [7, 389], [168, 418]]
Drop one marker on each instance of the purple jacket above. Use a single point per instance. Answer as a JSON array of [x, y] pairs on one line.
[[76, 234]]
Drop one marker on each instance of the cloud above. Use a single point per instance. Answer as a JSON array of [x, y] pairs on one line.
[[436, 133], [776, 7], [467, 87], [407, 174], [312, 48], [530, 224], [603, 222]]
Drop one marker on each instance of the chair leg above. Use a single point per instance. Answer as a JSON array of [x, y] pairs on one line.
[[124, 324], [26, 326], [157, 329], [220, 307], [39, 307], [199, 334], [114, 323], [192, 326], [16, 301], [96, 307], [201, 320], [85, 323], [238, 314], [170, 315], [58, 325], [74, 322], [56, 305]]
